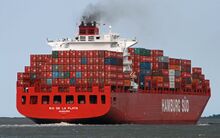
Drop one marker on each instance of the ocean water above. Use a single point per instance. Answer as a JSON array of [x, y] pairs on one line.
[[24, 128]]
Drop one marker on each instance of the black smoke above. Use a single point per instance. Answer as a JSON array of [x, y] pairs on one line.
[[111, 11]]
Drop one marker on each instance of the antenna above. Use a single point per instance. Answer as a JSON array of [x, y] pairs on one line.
[[110, 29]]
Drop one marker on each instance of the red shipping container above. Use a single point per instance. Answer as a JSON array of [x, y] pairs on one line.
[[166, 85], [33, 69], [90, 74], [96, 61], [72, 74], [61, 61], [90, 68], [101, 74], [55, 60], [84, 67], [72, 61], [119, 68], [174, 61], [197, 70], [185, 62], [175, 67], [137, 70], [155, 59], [126, 75], [84, 54], [121, 83], [78, 81], [96, 53], [44, 68], [21, 83], [137, 58], [84, 81], [96, 74], [20, 75], [89, 54], [107, 54], [101, 61], [33, 58], [55, 82], [155, 66], [202, 77], [146, 59], [101, 67], [49, 67], [78, 68], [43, 75], [110, 68], [63, 54], [27, 69], [136, 64], [33, 64], [165, 72], [90, 61], [120, 76], [131, 50], [186, 75], [39, 64], [96, 68], [178, 79], [78, 61], [67, 81], [157, 52], [66, 68], [78, 54], [72, 67], [49, 61], [84, 75], [49, 74], [72, 54]]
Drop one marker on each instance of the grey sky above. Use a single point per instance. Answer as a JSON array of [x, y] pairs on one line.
[[183, 29]]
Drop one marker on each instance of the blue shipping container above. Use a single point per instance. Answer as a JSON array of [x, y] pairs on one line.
[[113, 61], [49, 81], [83, 61], [55, 67], [145, 72], [78, 74], [145, 65], [72, 81], [61, 75], [55, 74]]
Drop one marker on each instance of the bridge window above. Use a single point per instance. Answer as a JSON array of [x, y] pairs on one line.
[[82, 38], [91, 38], [33, 100], [93, 99], [57, 99], [45, 99], [103, 99], [81, 99], [69, 99], [23, 99]]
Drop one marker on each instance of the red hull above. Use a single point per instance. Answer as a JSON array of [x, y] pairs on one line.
[[140, 107]]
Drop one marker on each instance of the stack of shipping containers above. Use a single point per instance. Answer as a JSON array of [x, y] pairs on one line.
[[84, 69]]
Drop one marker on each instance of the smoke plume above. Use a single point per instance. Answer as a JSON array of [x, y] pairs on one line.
[[112, 11]]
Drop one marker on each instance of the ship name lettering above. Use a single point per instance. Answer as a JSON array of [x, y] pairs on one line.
[[175, 105]]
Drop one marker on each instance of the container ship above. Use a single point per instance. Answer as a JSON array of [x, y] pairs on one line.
[[102, 79]]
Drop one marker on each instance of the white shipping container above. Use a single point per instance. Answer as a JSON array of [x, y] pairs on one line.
[[172, 84], [172, 78], [163, 59], [171, 72]]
